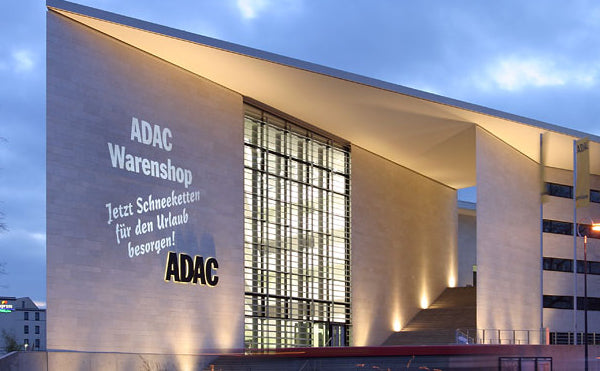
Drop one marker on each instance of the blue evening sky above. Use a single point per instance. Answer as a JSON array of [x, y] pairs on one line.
[[535, 58]]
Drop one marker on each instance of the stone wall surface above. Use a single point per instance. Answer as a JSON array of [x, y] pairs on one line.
[[508, 237], [125, 128], [404, 253]]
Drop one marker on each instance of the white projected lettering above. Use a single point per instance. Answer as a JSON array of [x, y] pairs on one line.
[[146, 223], [149, 214], [155, 136]]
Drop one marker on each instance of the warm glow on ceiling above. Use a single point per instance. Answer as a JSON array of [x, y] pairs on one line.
[[432, 135]]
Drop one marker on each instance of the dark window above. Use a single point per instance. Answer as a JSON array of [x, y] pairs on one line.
[[593, 267], [37, 344], [557, 264], [558, 227], [26, 329], [37, 330], [566, 265], [559, 190], [37, 316], [593, 303], [580, 266], [26, 316], [558, 302], [566, 191], [26, 341], [566, 228], [566, 302]]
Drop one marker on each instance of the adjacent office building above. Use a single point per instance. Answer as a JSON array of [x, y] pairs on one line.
[[205, 195], [23, 322]]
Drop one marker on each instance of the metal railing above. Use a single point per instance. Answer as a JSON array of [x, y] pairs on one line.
[[567, 338], [497, 336], [522, 337]]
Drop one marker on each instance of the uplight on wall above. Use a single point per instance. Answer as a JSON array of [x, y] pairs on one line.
[[424, 302], [397, 326], [451, 281]]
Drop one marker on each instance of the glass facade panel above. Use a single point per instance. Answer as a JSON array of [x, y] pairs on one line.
[[297, 237]]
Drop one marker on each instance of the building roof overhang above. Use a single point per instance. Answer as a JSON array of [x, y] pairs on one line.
[[428, 133]]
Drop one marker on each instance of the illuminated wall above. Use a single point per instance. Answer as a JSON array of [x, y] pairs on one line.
[[404, 233], [144, 201], [508, 237]]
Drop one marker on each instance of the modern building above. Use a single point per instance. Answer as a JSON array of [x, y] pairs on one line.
[[205, 195], [23, 321]]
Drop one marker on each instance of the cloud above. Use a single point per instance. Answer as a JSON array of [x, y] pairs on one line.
[[33, 240], [23, 60], [40, 303], [41, 237], [250, 8], [515, 73]]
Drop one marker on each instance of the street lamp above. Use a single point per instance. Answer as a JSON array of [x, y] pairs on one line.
[[596, 228]]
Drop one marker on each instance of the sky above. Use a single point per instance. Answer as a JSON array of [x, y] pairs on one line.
[[537, 58]]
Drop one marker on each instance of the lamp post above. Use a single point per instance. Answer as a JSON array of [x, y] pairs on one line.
[[596, 228]]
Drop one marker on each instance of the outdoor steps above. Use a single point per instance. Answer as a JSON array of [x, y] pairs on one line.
[[454, 308]]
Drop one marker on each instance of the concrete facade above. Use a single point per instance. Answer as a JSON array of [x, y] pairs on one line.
[[508, 237], [89, 114], [394, 273], [114, 110], [103, 293], [561, 246]]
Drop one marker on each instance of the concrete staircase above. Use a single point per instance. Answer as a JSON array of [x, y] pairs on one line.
[[454, 308]]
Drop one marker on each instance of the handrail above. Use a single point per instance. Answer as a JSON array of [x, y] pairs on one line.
[[499, 336]]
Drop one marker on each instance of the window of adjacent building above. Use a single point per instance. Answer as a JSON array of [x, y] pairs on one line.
[[558, 302], [26, 329], [593, 303], [37, 330], [37, 316], [557, 227], [566, 302], [594, 196], [297, 235], [566, 191], [566, 265], [566, 228], [37, 344], [559, 190], [26, 316]]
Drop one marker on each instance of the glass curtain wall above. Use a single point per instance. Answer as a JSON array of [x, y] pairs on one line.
[[297, 235]]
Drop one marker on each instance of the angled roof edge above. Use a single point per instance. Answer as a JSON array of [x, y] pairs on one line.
[[68, 6]]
